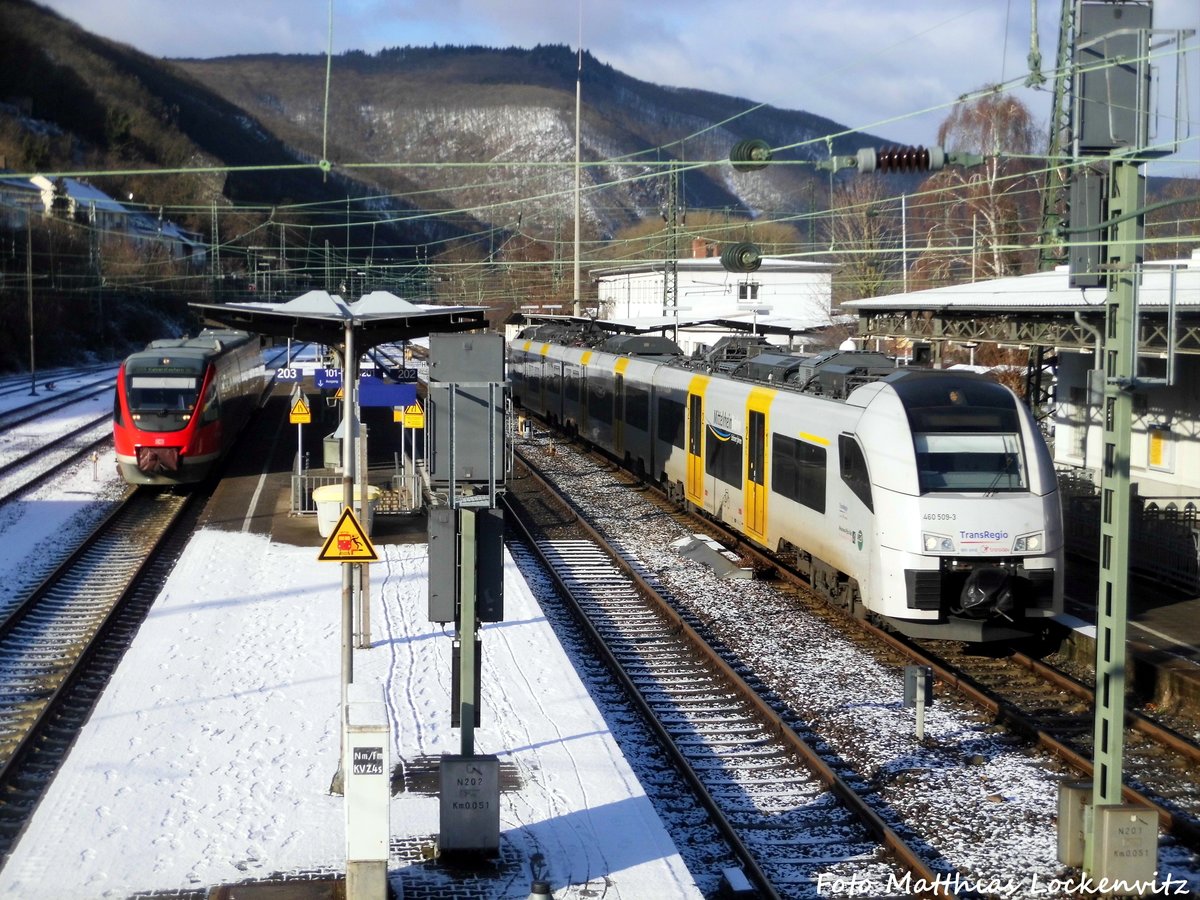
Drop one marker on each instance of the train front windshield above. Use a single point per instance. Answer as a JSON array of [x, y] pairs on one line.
[[162, 402], [969, 462], [966, 434]]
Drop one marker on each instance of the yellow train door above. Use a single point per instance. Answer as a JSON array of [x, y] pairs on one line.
[[695, 449], [756, 487], [618, 415]]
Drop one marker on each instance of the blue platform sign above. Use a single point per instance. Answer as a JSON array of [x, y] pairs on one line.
[[373, 391], [328, 378]]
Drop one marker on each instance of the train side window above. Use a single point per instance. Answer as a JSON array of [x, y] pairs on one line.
[[637, 408], [798, 471], [724, 456], [599, 400], [670, 421], [211, 407], [854, 469]]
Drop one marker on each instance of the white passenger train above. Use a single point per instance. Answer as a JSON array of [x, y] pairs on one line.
[[924, 498]]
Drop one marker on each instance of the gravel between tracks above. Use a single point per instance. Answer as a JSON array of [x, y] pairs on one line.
[[984, 801]]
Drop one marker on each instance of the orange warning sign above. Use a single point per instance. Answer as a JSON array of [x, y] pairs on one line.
[[300, 414], [348, 542]]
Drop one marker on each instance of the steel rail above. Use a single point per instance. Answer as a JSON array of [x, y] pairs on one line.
[[870, 819], [1182, 827]]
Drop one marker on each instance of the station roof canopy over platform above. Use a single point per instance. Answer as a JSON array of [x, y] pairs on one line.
[[764, 324], [1040, 309], [320, 317]]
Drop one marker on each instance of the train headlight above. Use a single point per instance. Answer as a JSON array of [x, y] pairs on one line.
[[937, 543], [1033, 542]]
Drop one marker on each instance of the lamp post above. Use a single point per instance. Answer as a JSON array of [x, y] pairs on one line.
[[756, 312], [676, 310], [29, 298]]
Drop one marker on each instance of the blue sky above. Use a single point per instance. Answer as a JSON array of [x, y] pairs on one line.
[[891, 68]]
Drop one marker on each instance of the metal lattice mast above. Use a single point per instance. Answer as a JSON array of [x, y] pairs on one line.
[[1058, 172], [1112, 602], [671, 269]]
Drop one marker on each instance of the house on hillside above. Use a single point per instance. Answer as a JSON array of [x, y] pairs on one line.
[[19, 198], [77, 201]]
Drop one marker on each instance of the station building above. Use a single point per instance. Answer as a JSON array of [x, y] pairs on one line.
[[781, 300]]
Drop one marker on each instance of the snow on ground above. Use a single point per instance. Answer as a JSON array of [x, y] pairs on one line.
[[40, 528], [209, 758]]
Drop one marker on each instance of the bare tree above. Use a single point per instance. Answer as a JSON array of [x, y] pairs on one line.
[[981, 221], [864, 238], [1171, 228]]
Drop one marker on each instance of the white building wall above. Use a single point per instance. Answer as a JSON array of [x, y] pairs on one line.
[[787, 293], [1165, 444]]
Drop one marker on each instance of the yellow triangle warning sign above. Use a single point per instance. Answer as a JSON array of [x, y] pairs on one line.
[[300, 414], [414, 416], [348, 542]]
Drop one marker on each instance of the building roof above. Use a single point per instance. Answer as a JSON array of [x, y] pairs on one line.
[[779, 325], [1045, 292], [710, 264]]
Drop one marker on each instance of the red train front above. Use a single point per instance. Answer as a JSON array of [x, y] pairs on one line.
[[180, 403]]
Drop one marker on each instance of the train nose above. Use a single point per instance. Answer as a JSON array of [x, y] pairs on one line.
[[158, 459], [988, 591]]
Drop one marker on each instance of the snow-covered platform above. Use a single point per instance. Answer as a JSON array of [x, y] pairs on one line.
[[209, 759]]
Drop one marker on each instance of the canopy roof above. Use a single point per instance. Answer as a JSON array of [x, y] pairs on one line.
[[320, 317]]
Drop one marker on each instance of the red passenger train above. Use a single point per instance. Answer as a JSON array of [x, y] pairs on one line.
[[180, 404]]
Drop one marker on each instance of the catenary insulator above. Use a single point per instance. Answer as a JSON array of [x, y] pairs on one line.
[[741, 257], [750, 154], [901, 159]]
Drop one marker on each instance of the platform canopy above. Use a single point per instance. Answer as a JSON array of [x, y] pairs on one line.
[[762, 324], [320, 317]]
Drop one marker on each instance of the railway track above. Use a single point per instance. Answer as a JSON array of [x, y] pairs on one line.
[[1057, 711], [793, 814], [1052, 709], [998, 713], [19, 385], [29, 469], [53, 402], [60, 644]]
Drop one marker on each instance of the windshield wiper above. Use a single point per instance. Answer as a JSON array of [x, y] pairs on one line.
[[1007, 469]]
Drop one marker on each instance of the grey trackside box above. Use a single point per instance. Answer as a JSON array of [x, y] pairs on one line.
[[1112, 81], [444, 571], [470, 803], [465, 411], [1126, 845], [443, 565]]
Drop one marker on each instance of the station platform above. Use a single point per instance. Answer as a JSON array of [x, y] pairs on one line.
[[1162, 634], [206, 768]]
